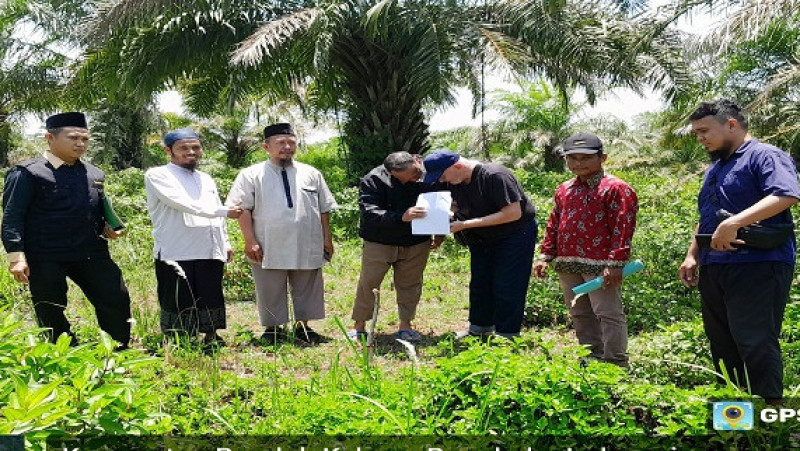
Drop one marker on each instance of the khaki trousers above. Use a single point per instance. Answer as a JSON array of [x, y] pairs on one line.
[[272, 294], [408, 263], [599, 320]]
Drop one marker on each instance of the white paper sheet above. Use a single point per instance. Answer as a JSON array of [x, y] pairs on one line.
[[437, 219]]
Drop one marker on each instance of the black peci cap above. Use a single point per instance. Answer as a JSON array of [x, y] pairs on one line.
[[278, 129], [71, 119]]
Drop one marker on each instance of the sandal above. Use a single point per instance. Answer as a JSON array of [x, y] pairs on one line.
[[408, 335], [357, 335]]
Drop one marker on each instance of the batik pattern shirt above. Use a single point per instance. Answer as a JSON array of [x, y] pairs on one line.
[[591, 226]]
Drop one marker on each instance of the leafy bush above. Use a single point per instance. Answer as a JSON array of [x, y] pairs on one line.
[[791, 323], [495, 390], [52, 389], [674, 354]]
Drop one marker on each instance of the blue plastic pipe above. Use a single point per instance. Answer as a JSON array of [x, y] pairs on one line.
[[586, 287]]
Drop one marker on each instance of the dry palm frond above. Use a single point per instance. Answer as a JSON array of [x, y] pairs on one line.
[[787, 78]]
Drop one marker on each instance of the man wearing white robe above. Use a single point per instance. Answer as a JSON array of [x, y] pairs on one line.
[[190, 239], [287, 235]]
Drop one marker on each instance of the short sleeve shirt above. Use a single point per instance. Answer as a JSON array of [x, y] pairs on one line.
[[290, 237], [754, 171], [491, 188]]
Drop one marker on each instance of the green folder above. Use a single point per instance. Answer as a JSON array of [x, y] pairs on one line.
[[112, 219]]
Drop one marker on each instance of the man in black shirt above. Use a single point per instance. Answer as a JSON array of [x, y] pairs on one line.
[[54, 227], [387, 197], [497, 221]]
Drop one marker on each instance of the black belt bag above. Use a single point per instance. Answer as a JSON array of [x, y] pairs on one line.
[[755, 236], [761, 236]]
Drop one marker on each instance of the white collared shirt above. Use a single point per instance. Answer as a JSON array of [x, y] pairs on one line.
[[54, 160], [290, 238], [187, 215]]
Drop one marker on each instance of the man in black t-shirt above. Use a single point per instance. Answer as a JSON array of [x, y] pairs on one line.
[[498, 222]]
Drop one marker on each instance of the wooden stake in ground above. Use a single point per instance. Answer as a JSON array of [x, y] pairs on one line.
[[371, 337]]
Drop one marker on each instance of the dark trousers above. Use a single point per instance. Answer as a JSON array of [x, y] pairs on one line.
[[743, 307], [500, 272], [192, 302], [101, 282]]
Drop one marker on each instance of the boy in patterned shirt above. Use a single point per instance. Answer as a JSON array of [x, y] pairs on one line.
[[588, 234]]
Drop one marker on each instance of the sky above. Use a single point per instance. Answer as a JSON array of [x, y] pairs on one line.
[[622, 103]]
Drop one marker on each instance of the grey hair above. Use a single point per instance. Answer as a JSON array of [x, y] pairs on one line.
[[399, 161]]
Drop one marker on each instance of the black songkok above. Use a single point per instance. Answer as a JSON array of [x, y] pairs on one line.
[[71, 119], [278, 129]]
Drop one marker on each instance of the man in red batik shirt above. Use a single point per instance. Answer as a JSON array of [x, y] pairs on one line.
[[588, 234]]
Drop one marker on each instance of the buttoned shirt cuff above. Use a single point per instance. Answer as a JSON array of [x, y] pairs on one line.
[[14, 257], [546, 258]]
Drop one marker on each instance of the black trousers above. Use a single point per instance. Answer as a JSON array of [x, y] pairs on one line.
[[192, 302], [101, 282], [743, 306], [500, 272]]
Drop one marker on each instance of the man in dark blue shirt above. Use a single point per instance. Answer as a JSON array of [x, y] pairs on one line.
[[54, 228], [744, 289]]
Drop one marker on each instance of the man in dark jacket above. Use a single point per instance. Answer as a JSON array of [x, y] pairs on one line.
[[54, 227], [387, 197]]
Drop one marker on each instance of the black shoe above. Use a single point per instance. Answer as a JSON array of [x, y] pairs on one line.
[[217, 341], [309, 335], [274, 335], [464, 334]]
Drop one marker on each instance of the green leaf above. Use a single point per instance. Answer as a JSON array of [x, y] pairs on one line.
[[13, 414], [40, 393]]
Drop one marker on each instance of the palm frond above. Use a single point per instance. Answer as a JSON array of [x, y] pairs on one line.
[[788, 78], [114, 15], [260, 45], [745, 21]]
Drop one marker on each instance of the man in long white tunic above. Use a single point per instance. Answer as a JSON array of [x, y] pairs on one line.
[[190, 239], [287, 235]]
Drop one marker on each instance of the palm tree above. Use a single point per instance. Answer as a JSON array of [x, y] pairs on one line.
[[120, 130], [762, 69], [753, 56], [379, 64], [30, 72], [231, 134], [537, 118]]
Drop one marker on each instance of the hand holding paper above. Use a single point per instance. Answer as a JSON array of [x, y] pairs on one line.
[[414, 213], [436, 220]]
